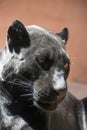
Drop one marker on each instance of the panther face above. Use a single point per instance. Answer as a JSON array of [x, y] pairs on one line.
[[36, 57]]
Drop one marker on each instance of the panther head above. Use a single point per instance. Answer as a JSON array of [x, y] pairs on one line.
[[35, 59]]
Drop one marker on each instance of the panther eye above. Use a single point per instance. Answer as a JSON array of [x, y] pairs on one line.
[[44, 62], [66, 65]]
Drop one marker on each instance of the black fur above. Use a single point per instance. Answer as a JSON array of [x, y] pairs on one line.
[[34, 71], [63, 34], [17, 36]]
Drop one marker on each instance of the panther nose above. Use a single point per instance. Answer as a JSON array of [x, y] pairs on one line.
[[59, 84], [61, 92]]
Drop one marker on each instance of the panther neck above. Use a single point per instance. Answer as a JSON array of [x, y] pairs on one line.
[[64, 117], [67, 115]]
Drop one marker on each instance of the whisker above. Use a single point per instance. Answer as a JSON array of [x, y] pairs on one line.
[[15, 82], [23, 95], [8, 75], [23, 77], [20, 83], [30, 99], [26, 90]]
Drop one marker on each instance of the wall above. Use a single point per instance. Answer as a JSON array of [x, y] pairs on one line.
[[54, 15]]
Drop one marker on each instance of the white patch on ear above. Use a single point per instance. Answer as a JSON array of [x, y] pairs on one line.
[[58, 80]]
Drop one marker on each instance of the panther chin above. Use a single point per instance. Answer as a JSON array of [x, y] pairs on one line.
[[48, 106]]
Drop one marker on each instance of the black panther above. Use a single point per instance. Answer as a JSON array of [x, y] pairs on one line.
[[34, 67]]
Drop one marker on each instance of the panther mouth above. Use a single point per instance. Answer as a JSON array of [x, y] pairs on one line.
[[49, 106]]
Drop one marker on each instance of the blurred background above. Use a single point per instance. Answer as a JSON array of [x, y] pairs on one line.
[[54, 15]]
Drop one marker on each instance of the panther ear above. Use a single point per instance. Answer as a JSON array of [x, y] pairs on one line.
[[63, 35], [17, 36]]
